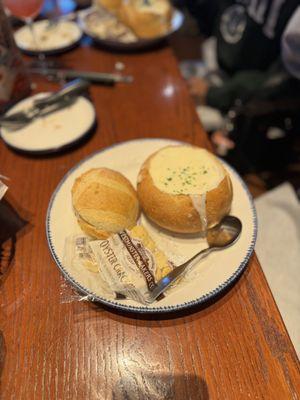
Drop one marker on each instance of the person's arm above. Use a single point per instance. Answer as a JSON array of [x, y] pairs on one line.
[[281, 79], [205, 12], [267, 85], [246, 85]]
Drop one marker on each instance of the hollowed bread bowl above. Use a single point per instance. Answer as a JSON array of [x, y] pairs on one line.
[[184, 189]]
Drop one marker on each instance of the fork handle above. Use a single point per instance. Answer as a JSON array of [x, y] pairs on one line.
[[74, 88]]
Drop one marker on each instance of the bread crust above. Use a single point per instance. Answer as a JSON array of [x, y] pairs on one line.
[[91, 230], [111, 5], [145, 24], [176, 212], [104, 202]]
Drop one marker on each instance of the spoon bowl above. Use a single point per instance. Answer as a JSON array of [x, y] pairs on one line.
[[223, 235]]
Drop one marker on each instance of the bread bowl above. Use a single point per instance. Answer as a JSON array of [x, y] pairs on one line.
[[184, 189], [112, 6], [148, 19], [104, 202]]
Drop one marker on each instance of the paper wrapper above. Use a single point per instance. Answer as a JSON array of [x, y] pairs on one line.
[[128, 266], [78, 251], [78, 255]]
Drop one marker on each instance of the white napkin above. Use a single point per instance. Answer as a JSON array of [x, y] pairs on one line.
[[278, 249]]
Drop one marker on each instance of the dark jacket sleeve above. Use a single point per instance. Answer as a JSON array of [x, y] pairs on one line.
[[205, 12], [248, 85]]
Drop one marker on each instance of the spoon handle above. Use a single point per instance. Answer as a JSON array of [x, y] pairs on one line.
[[172, 276]]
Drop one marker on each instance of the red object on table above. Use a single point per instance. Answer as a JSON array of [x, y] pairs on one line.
[[24, 8]]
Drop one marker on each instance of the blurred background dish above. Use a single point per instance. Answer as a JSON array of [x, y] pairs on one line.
[[106, 29], [53, 132], [49, 38]]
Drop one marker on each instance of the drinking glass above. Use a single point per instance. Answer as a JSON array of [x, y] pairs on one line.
[[14, 79], [27, 11]]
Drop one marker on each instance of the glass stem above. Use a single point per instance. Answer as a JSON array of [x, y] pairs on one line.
[[41, 56], [29, 23]]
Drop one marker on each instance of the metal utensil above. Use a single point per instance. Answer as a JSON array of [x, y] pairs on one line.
[[91, 76], [53, 22], [74, 88], [46, 104], [220, 237], [19, 119]]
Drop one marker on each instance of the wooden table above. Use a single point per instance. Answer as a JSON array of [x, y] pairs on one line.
[[234, 348]]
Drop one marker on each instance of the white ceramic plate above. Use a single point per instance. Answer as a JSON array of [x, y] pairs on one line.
[[208, 278], [59, 38], [177, 21], [54, 132]]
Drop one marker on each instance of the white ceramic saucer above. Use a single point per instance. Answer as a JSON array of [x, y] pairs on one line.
[[60, 37], [53, 132]]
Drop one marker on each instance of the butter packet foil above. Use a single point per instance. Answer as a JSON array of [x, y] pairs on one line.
[[131, 263], [3, 189], [79, 260], [78, 253]]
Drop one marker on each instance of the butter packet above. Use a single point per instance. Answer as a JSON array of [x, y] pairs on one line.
[[79, 254], [131, 263]]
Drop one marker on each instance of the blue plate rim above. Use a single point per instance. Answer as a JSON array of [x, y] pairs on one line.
[[141, 309]]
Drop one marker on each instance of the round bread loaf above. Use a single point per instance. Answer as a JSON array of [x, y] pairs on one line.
[[148, 19], [184, 189], [113, 6], [104, 202]]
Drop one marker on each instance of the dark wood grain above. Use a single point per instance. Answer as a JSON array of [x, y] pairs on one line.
[[234, 348]]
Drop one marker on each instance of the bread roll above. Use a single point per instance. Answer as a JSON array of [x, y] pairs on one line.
[[147, 19], [104, 202], [184, 189], [113, 6]]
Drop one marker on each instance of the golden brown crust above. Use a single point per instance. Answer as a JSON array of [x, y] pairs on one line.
[[177, 212], [92, 231], [111, 5], [105, 202], [145, 24], [105, 173]]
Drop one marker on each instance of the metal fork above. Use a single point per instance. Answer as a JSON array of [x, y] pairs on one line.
[[46, 104]]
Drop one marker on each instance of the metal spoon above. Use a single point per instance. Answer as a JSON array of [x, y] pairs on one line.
[[220, 237]]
